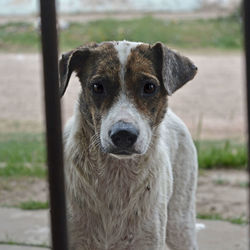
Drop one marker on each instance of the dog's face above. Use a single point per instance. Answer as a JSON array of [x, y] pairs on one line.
[[124, 90]]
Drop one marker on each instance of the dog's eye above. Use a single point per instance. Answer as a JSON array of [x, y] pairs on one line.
[[98, 88], [149, 88]]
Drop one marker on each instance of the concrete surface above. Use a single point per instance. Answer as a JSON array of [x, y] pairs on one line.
[[219, 235], [32, 227], [22, 226]]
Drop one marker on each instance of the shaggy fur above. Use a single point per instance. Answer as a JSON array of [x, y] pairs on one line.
[[137, 202]]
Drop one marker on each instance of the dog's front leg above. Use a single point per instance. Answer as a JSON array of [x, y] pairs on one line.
[[181, 232]]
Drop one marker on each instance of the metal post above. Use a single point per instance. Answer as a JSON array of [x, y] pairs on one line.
[[246, 8], [53, 125]]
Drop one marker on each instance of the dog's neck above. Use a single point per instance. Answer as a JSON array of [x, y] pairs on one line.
[[99, 174]]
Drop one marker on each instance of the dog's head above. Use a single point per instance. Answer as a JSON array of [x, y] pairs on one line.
[[124, 90]]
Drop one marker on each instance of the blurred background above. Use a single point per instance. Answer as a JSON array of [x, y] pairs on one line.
[[209, 32]]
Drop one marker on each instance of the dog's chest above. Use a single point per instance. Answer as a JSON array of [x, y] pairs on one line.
[[125, 212], [113, 228]]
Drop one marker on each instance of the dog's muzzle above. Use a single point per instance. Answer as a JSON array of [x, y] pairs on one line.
[[123, 136]]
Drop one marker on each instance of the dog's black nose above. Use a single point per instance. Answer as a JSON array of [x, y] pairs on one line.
[[123, 134]]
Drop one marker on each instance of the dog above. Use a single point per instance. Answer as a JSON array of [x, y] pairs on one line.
[[130, 162]]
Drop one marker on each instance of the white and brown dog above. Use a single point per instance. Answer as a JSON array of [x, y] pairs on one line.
[[130, 163]]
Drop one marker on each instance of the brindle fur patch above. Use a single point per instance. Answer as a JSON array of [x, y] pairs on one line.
[[144, 63], [102, 64]]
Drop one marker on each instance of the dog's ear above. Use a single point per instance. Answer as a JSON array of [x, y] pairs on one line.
[[175, 70], [69, 62]]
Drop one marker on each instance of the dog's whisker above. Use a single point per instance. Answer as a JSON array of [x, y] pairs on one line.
[[94, 141]]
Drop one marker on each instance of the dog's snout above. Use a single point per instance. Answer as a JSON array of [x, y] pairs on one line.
[[123, 134]]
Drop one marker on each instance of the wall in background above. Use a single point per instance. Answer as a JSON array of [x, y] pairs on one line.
[[27, 7]]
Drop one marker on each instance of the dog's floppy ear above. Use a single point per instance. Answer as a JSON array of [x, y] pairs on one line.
[[176, 69], [69, 62]]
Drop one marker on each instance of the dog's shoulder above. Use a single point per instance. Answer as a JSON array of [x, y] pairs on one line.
[[175, 126], [71, 128], [73, 124], [177, 137]]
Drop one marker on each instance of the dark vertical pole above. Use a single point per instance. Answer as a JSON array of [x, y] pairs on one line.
[[53, 125], [246, 8]]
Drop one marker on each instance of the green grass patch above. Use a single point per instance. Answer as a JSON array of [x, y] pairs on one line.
[[220, 33], [221, 154], [242, 184], [33, 205], [18, 36], [237, 220], [22, 155], [23, 244]]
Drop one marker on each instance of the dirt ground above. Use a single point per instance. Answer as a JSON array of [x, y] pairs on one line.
[[212, 105], [223, 192], [87, 17], [219, 192]]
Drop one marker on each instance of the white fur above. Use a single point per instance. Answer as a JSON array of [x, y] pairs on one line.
[[166, 213], [124, 110], [123, 49]]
